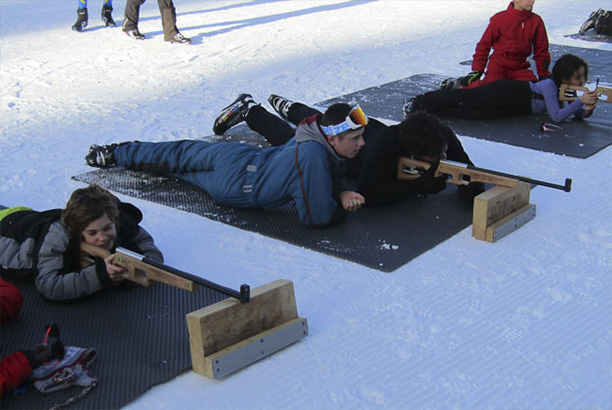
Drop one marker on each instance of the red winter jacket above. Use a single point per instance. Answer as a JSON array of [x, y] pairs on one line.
[[514, 35], [16, 368]]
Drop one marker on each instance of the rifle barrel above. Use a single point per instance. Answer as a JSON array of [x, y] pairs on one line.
[[567, 187], [244, 295]]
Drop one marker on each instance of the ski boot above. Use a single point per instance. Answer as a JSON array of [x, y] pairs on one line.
[[81, 22], [408, 107], [233, 114], [101, 156], [107, 18], [451, 83], [281, 105], [589, 23]]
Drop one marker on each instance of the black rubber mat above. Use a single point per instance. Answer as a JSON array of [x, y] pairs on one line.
[[579, 139], [382, 238], [140, 334]]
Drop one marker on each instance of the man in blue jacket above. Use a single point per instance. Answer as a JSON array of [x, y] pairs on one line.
[[309, 168], [420, 135]]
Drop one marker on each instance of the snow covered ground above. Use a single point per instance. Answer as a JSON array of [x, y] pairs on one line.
[[524, 323]]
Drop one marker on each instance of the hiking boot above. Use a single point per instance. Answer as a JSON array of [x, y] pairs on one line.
[[233, 114], [180, 39], [81, 22], [135, 34], [107, 18], [101, 156], [281, 105]]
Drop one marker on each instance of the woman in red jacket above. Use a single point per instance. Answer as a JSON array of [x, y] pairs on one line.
[[513, 34]]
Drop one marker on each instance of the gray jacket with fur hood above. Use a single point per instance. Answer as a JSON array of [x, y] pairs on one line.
[[36, 246]]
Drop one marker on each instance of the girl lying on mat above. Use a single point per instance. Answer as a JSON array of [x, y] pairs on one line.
[[44, 247], [508, 98]]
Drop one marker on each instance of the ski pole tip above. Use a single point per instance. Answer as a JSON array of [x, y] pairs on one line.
[[568, 185]]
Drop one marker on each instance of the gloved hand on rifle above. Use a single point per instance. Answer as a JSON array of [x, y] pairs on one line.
[[429, 184]]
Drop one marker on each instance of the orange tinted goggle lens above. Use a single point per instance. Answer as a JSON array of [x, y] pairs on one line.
[[358, 116]]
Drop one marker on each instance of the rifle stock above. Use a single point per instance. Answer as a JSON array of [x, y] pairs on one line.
[[146, 272], [601, 92], [463, 174]]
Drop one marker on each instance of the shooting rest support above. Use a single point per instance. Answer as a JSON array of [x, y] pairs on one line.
[[500, 211], [229, 335], [233, 333], [496, 212]]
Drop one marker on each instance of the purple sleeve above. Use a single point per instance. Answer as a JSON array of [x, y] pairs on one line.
[[548, 89]]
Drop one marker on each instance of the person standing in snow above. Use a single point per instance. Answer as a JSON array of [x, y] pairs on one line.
[[308, 169], [514, 35], [168, 16], [45, 247], [82, 16], [420, 135]]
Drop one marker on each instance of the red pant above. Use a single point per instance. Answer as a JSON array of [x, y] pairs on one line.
[[502, 68]]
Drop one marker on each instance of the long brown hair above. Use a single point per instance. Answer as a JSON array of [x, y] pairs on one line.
[[86, 205]]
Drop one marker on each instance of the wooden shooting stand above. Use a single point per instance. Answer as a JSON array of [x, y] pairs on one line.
[[501, 210], [230, 335], [498, 211]]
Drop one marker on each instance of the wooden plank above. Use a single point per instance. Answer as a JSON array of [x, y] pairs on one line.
[[495, 204], [228, 322]]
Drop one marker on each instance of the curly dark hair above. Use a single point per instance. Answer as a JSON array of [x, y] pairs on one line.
[[86, 205], [422, 134], [566, 66]]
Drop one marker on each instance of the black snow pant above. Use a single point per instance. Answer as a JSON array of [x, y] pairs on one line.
[[500, 99], [166, 9], [274, 129]]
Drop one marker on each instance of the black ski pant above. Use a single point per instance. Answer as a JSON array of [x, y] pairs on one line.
[[273, 128], [500, 99], [166, 9]]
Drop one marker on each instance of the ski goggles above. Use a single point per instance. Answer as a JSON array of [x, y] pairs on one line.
[[354, 120]]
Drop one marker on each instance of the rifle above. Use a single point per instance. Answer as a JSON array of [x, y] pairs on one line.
[[570, 92], [146, 272], [463, 174]]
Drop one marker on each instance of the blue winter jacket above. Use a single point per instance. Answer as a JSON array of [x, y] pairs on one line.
[[305, 169]]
